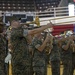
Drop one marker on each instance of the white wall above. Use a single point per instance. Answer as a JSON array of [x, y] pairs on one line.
[[58, 20]]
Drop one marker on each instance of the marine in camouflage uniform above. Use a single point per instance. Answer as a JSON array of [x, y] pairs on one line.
[[73, 59], [39, 57], [66, 57], [55, 58], [2, 52], [21, 60], [73, 54]]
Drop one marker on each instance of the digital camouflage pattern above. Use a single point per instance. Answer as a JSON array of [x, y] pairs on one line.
[[39, 58], [2, 54], [73, 60], [67, 60], [55, 53], [68, 53], [55, 58], [21, 62]]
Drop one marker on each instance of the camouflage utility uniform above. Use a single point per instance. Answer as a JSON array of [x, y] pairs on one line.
[[2, 55], [55, 58], [73, 59], [39, 58], [21, 62], [66, 59]]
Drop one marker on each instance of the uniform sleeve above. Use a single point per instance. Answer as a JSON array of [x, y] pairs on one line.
[[63, 45], [38, 45], [25, 32], [8, 32]]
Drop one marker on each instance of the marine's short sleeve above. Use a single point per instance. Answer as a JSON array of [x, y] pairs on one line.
[[36, 42], [8, 32], [25, 32], [38, 45], [63, 46]]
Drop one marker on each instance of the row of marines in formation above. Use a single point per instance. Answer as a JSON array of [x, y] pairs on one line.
[[31, 51]]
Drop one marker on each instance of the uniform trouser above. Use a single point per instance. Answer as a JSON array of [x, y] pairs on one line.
[[6, 68], [40, 65], [55, 65], [40, 70], [67, 67], [25, 70], [2, 68], [73, 63], [21, 68]]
